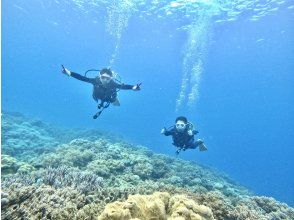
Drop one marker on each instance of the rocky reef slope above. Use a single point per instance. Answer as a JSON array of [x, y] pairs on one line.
[[52, 173]]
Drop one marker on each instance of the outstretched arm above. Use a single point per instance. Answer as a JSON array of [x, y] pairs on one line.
[[166, 132], [82, 78], [77, 76], [127, 87]]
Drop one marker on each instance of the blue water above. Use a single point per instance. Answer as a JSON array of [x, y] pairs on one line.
[[245, 104]]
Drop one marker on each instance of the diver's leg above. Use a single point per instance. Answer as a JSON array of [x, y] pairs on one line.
[[191, 144], [201, 145], [116, 102]]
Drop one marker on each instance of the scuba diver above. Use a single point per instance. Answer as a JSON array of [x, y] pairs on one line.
[[105, 87], [183, 135]]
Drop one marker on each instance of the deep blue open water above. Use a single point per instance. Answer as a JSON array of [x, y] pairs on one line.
[[226, 65]]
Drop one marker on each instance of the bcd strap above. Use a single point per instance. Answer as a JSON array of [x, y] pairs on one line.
[[91, 70]]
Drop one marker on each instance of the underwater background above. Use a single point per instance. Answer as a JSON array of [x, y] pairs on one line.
[[226, 65]]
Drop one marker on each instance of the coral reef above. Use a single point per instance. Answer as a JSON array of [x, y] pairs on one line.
[[50, 173], [122, 164], [10, 165], [180, 207], [262, 208], [246, 207], [82, 181], [26, 138], [42, 202], [158, 206]]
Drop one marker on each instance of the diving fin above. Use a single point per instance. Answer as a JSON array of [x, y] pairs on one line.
[[97, 115], [202, 147]]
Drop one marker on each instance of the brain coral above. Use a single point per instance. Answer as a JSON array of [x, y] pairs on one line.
[[158, 206]]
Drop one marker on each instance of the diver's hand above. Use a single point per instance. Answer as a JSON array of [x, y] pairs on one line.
[[163, 130], [65, 71], [137, 87], [190, 133]]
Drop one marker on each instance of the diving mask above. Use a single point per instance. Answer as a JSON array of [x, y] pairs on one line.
[[105, 78], [180, 126]]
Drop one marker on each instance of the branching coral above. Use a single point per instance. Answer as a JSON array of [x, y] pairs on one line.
[[42, 202], [262, 208], [82, 181]]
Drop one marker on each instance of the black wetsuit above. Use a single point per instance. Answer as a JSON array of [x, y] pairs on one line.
[[183, 140], [105, 93]]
